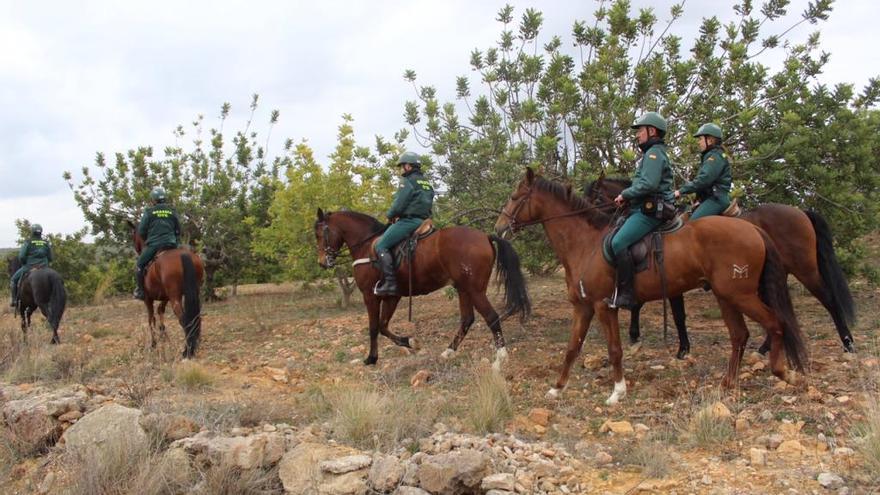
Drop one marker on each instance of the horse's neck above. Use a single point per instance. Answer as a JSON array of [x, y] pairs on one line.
[[571, 237], [355, 236]]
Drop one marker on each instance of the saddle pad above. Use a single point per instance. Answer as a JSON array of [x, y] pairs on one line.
[[641, 249]]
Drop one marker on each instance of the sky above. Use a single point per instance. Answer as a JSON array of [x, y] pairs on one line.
[[81, 77]]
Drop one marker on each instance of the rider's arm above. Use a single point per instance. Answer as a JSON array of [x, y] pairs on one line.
[[401, 199], [144, 226], [711, 169], [176, 230], [22, 253], [49, 252], [648, 179]]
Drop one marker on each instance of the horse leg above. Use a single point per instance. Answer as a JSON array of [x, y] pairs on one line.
[[739, 335], [386, 312], [466, 310], [634, 332], [372, 304], [608, 318], [755, 309], [161, 313], [151, 322], [580, 324], [678, 315], [484, 307], [25, 321], [176, 306], [44, 308]]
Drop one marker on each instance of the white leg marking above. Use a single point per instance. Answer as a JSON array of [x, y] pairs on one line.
[[447, 354], [553, 393], [500, 359], [619, 393]]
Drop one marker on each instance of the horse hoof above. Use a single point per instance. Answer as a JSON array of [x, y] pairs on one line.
[[633, 339], [683, 353], [553, 394], [849, 347], [371, 360], [763, 349], [447, 354], [618, 393], [500, 359], [405, 342]]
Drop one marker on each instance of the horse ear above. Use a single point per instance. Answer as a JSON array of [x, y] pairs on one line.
[[320, 214], [530, 175]]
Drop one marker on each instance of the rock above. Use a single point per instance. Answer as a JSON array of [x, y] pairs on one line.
[[422, 377], [347, 484], [245, 452], [277, 374], [540, 416], [757, 457], [453, 473], [603, 458], [70, 416], [844, 452], [500, 481], [104, 426], [754, 357], [774, 440], [618, 427], [346, 464], [719, 410], [410, 490], [45, 486], [843, 399], [34, 419], [170, 427], [766, 415], [791, 430], [385, 473], [790, 448], [830, 481], [742, 425], [543, 469], [300, 472]]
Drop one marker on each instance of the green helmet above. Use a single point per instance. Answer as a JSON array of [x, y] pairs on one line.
[[36, 229], [158, 194], [709, 129], [410, 157], [652, 119]]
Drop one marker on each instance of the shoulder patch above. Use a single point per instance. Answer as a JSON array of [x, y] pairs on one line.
[[711, 158], [653, 157]]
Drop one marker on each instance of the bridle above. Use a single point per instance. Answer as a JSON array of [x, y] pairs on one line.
[[330, 252], [513, 225]]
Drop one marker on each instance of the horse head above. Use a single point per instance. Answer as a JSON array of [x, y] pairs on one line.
[[514, 213], [328, 239], [12, 264], [135, 237]]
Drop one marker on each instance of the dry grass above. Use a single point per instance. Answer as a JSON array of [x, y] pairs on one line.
[[867, 434], [193, 376], [654, 458], [703, 428], [224, 479], [138, 386], [490, 405]]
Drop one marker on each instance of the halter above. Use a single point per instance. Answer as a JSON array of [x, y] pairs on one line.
[[331, 253], [513, 225]]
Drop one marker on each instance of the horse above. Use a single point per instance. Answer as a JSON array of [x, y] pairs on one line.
[[459, 255], [175, 276], [42, 288], [792, 230], [743, 268]]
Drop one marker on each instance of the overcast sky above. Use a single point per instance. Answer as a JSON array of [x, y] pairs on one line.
[[81, 77]]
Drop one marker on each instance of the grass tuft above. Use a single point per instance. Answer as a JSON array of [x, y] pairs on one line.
[[193, 376], [225, 479], [704, 429], [490, 404]]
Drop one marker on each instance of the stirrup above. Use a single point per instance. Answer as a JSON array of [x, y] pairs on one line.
[[381, 289]]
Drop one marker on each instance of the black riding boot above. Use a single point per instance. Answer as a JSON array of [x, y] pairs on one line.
[[388, 285], [624, 296], [14, 292], [139, 290]]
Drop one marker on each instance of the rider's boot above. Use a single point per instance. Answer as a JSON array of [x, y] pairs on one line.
[[387, 285], [139, 289], [14, 292], [624, 295]]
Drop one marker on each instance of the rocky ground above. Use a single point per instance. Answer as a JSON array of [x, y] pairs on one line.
[[279, 402]]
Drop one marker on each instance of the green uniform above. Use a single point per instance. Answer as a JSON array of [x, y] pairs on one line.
[[159, 228], [653, 180], [34, 252], [712, 184], [412, 205]]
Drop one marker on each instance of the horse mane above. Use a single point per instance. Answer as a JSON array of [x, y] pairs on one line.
[[564, 193], [375, 225]]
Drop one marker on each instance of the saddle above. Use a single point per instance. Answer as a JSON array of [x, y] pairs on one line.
[[405, 249], [641, 250], [733, 210], [27, 273], [159, 253]]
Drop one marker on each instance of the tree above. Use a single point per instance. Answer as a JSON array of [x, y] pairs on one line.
[[568, 110], [221, 195]]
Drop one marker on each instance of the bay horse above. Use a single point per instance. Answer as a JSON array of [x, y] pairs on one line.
[[805, 244], [41, 288], [735, 257], [175, 276], [458, 255]]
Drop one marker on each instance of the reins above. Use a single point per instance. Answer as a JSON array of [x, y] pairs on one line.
[[515, 225]]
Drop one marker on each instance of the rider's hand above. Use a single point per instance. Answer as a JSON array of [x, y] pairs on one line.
[[619, 200], [677, 194]]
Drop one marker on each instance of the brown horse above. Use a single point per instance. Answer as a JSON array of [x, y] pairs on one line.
[[793, 231], [174, 276], [735, 257], [459, 255], [41, 288]]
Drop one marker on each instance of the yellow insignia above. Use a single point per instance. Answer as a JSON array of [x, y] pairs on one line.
[[652, 157], [711, 158]]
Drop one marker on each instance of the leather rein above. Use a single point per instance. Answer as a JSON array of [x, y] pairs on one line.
[[514, 225]]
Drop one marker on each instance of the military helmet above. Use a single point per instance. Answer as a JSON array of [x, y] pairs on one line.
[[709, 129], [158, 194], [36, 229], [652, 119], [410, 157]]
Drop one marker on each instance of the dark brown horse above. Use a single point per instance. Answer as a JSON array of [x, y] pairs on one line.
[[174, 276], [461, 256], [805, 244], [41, 288], [735, 257]]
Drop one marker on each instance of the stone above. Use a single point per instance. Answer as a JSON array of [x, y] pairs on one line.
[[844, 452], [790, 448], [766, 415], [540, 416], [774, 440], [603, 458], [104, 427], [719, 410], [170, 427], [757, 457], [410, 490], [46, 485], [742, 425], [843, 399], [385, 473], [245, 452], [277, 374], [33, 419], [830, 481], [346, 464], [453, 473], [791, 430], [618, 427], [499, 481], [70, 416], [347, 484], [422, 377], [300, 472]]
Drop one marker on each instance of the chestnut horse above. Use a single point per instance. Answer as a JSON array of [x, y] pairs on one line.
[[174, 276], [459, 255], [793, 231], [735, 257]]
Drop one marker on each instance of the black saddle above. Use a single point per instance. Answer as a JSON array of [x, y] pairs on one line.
[[641, 249]]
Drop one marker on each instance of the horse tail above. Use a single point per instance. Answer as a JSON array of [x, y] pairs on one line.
[[509, 273], [841, 303], [773, 291], [57, 300], [192, 310]]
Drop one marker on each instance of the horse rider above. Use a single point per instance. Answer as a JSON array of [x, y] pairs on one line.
[[411, 206], [160, 229], [713, 181], [650, 198], [35, 252]]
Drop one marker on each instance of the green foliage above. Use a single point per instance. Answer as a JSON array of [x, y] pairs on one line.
[[567, 111]]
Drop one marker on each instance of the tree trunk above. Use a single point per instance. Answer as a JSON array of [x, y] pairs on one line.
[[346, 286]]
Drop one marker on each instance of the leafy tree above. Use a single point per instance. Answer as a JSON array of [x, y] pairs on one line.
[[566, 107], [222, 195]]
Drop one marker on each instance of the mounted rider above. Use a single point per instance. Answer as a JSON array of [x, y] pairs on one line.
[[650, 196], [713, 181], [35, 252], [160, 229], [411, 206]]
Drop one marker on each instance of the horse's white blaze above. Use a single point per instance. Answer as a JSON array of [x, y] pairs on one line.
[[553, 393], [448, 353], [618, 393]]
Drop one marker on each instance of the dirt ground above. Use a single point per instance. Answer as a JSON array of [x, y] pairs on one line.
[[249, 338]]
